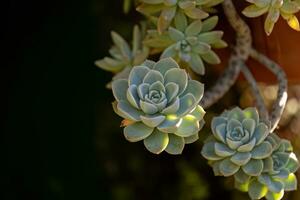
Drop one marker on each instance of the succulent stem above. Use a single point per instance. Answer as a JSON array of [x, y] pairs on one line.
[[279, 104], [263, 112], [238, 56]]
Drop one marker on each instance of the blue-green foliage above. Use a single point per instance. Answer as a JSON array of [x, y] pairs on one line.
[[160, 106], [262, 164]]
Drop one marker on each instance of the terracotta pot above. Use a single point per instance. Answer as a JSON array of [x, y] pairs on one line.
[[282, 46]]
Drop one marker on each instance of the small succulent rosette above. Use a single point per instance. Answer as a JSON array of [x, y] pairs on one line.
[[159, 104], [192, 44], [237, 146], [278, 174], [123, 58]]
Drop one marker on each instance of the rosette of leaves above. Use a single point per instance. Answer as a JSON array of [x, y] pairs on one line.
[[191, 43], [166, 10], [274, 8], [237, 146], [159, 105], [278, 175], [123, 58]]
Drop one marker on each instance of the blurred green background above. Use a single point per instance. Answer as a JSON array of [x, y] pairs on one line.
[[61, 138]]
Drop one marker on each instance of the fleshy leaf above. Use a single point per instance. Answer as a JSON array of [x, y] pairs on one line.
[[222, 150], [130, 112], [241, 158], [176, 145], [293, 163], [194, 28], [262, 151], [175, 34], [119, 89], [196, 88], [189, 126], [164, 65], [132, 96], [156, 142], [261, 132], [209, 23], [257, 190], [253, 167], [290, 183], [241, 177], [208, 151], [137, 74], [153, 121], [177, 76], [275, 196], [191, 139], [137, 131], [247, 147], [228, 168], [197, 64], [152, 76], [148, 108], [169, 124], [218, 126], [187, 103]]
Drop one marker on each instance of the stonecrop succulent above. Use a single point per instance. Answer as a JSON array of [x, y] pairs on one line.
[[278, 174], [166, 10], [274, 8], [191, 43], [122, 57], [237, 146], [159, 104]]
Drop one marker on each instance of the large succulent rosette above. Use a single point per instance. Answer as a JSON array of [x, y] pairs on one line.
[[160, 106], [237, 146], [278, 174]]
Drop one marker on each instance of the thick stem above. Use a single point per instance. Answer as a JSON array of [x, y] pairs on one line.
[[263, 112], [238, 56], [279, 104]]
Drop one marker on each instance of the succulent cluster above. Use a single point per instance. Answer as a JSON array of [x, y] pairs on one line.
[[262, 164], [278, 174], [164, 11], [160, 102], [123, 58], [274, 8], [160, 106]]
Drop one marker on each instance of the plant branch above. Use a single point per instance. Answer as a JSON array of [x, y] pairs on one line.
[[238, 56], [263, 112], [279, 104]]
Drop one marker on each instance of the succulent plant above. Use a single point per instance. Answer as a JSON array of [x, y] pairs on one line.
[[274, 8], [192, 43], [160, 106], [122, 57], [278, 174], [237, 146], [168, 9]]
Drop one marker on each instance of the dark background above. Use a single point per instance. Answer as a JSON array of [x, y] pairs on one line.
[[61, 138]]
